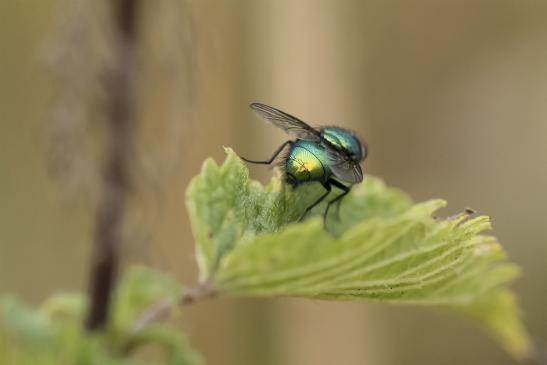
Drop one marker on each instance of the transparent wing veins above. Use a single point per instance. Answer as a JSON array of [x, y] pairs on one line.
[[343, 167], [287, 122]]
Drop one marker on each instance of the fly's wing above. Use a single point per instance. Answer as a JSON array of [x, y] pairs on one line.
[[287, 122], [343, 167]]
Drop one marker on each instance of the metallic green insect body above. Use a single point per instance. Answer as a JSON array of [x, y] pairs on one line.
[[306, 161], [325, 155], [345, 141]]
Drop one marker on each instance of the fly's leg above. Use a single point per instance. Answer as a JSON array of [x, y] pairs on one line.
[[328, 189], [276, 153], [337, 200], [338, 204]]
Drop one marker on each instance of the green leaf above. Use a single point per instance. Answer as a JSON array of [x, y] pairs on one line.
[[53, 334], [383, 248], [500, 313], [141, 288]]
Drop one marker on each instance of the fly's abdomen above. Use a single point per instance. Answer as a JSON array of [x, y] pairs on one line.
[[305, 162]]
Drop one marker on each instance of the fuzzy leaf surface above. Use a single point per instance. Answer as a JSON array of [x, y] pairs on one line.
[[383, 248]]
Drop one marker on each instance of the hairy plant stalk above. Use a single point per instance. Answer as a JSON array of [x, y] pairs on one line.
[[116, 176], [163, 308]]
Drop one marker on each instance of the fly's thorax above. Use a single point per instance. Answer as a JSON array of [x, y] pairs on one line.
[[345, 141], [306, 161]]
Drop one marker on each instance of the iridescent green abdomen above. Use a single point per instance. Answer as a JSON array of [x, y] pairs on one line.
[[305, 162]]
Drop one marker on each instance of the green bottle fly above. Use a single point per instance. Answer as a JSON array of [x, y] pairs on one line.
[[326, 155]]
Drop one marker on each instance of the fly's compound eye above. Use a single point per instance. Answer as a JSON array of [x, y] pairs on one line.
[[364, 152]]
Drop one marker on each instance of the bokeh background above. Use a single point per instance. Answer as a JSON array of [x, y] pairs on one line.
[[451, 96]]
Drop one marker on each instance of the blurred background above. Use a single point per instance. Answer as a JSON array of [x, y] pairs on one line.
[[450, 95]]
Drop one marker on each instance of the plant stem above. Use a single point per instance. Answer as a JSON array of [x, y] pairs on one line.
[[116, 177], [163, 308]]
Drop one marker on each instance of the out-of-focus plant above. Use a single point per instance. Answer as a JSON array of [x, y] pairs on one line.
[[53, 333]]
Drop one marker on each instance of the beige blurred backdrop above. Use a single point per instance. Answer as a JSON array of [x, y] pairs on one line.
[[451, 96]]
